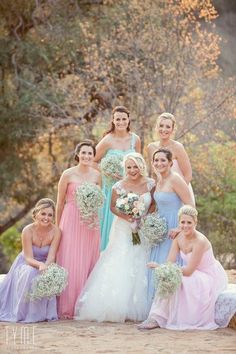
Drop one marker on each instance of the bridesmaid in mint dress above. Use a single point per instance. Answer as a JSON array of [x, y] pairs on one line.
[[117, 141], [171, 192]]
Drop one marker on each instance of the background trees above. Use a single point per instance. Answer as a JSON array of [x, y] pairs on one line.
[[64, 64]]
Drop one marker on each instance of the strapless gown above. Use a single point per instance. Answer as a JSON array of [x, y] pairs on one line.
[[193, 305], [106, 214], [13, 289], [78, 252], [168, 205], [117, 287]]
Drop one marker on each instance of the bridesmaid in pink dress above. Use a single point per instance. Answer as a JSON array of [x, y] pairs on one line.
[[193, 304], [165, 127], [79, 247]]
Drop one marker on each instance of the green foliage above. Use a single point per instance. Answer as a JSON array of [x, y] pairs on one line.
[[11, 243]]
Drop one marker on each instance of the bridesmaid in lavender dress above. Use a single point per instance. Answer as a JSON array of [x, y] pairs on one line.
[[165, 127], [40, 241], [192, 306]]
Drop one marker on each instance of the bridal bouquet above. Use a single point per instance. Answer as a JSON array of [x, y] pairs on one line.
[[49, 283], [111, 166], [167, 279], [89, 198], [154, 229], [133, 205]]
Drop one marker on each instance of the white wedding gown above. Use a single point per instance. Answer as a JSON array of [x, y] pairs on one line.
[[116, 290]]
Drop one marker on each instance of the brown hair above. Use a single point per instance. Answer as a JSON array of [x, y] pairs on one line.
[[167, 152], [43, 204], [121, 109], [80, 145]]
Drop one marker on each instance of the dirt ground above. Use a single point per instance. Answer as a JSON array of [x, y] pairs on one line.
[[90, 337]]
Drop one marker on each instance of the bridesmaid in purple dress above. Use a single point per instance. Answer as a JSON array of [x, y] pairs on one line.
[[40, 241]]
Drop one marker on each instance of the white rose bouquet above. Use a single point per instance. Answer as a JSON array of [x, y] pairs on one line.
[[167, 279], [111, 168], [133, 205], [89, 198], [51, 282], [154, 229]]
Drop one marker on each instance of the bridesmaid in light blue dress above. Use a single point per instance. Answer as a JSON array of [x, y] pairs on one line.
[[171, 192], [117, 141]]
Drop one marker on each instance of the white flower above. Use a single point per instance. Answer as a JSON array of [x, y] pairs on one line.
[[154, 229], [89, 198], [49, 283], [167, 279], [111, 166]]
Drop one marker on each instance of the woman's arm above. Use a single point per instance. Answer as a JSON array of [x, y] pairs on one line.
[[174, 251], [26, 239], [150, 151], [54, 246], [101, 149], [195, 258], [61, 194], [181, 189], [137, 144], [184, 162]]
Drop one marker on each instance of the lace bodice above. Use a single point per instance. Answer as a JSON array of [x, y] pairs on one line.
[[146, 197]]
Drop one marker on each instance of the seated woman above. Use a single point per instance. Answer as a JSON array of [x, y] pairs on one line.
[[193, 304], [40, 241]]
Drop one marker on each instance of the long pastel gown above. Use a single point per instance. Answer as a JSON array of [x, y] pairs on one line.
[[106, 215], [14, 306], [78, 252], [168, 205], [193, 305], [117, 287]]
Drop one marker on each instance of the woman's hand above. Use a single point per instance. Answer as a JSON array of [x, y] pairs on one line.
[[152, 265], [174, 232], [115, 176], [42, 266]]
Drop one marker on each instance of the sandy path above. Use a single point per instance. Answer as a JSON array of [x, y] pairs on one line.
[[90, 337]]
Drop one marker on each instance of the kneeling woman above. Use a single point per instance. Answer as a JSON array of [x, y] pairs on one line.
[[40, 241], [193, 305]]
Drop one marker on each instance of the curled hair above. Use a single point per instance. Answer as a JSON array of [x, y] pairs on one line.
[[121, 109], [188, 210], [43, 204], [138, 160], [167, 152], [86, 142], [166, 115]]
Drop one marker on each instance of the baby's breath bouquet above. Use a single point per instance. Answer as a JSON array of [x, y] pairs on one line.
[[154, 229], [89, 198], [49, 283], [167, 279], [133, 205], [111, 167]]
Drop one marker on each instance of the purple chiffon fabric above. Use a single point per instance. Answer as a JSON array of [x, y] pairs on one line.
[[14, 307]]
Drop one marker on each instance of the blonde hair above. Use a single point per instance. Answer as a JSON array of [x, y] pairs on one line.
[[43, 204], [166, 115], [188, 210], [138, 160]]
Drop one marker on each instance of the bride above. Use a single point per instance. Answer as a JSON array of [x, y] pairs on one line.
[[116, 290]]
